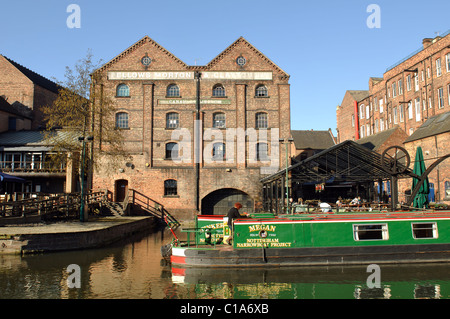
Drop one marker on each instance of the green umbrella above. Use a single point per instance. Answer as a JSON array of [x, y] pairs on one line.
[[421, 199]]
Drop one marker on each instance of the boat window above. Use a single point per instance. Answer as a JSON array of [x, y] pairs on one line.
[[370, 232], [424, 230]]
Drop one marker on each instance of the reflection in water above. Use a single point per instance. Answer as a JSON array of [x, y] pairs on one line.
[[134, 269]]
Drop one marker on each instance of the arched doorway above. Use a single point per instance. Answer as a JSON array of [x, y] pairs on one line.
[[220, 201], [120, 190]]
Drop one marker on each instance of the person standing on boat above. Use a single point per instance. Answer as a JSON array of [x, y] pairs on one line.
[[233, 214]]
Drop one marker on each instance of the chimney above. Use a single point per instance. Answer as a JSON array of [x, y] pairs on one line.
[[426, 42]]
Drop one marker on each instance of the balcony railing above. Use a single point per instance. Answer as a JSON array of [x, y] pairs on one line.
[[32, 167]]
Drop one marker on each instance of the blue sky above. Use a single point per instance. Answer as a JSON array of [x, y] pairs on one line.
[[325, 45]]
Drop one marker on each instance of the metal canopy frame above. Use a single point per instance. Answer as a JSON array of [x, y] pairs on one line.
[[344, 162]]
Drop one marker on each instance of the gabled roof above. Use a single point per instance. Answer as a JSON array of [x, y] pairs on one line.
[[6, 107], [248, 44], [435, 125], [317, 140], [214, 61], [373, 142], [34, 77], [136, 45], [359, 95]]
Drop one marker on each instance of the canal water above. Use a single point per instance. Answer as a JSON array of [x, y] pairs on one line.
[[134, 269]]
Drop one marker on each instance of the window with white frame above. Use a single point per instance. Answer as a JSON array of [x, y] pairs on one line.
[[370, 232], [367, 112], [411, 130], [361, 111], [410, 110], [394, 89], [353, 120], [447, 62], [408, 83], [395, 115], [438, 67], [376, 125], [381, 124], [400, 87], [418, 110], [424, 230], [401, 113], [448, 94], [375, 104], [441, 98], [381, 105], [430, 104], [362, 128], [416, 81]]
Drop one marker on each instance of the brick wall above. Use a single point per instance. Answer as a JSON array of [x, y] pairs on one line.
[[147, 135]]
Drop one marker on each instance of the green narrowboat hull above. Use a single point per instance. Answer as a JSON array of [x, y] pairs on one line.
[[321, 239]]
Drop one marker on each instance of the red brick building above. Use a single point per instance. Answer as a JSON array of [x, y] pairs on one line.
[[25, 89], [233, 110], [410, 94]]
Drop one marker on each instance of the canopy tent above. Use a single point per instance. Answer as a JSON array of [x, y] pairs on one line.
[[344, 162], [10, 178]]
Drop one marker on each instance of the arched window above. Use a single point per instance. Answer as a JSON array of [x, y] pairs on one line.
[[123, 90], [172, 120], [173, 90], [261, 120], [261, 91], [170, 187], [218, 151], [218, 90], [219, 120], [172, 150], [122, 120], [262, 152]]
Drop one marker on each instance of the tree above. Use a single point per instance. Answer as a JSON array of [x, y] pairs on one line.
[[79, 112]]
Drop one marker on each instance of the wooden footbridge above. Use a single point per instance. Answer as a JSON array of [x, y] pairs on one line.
[[35, 207]]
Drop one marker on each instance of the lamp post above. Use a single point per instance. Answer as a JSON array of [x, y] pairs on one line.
[[287, 142], [83, 161]]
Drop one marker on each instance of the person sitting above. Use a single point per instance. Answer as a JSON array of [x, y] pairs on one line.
[[356, 201], [233, 214], [325, 207]]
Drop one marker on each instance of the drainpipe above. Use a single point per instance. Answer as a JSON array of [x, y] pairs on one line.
[[197, 76], [355, 103]]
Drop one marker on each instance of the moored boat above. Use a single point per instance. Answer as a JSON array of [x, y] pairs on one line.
[[316, 239]]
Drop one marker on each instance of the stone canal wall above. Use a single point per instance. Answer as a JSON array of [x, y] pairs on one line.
[[71, 235]]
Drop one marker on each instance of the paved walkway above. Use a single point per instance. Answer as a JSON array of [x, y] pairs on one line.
[[68, 226]]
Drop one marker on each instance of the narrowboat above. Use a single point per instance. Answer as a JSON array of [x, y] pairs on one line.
[[318, 239]]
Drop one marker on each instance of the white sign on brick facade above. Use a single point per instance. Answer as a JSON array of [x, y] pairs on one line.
[[170, 75]]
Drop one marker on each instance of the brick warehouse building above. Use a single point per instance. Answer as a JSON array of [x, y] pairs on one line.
[[231, 111], [411, 99]]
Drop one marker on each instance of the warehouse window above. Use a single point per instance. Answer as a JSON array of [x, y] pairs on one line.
[[123, 90], [424, 230], [122, 120], [370, 232], [218, 90], [218, 151], [172, 120], [173, 90], [171, 150], [170, 187], [219, 120], [261, 120], [261, 91], [262, 152]]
